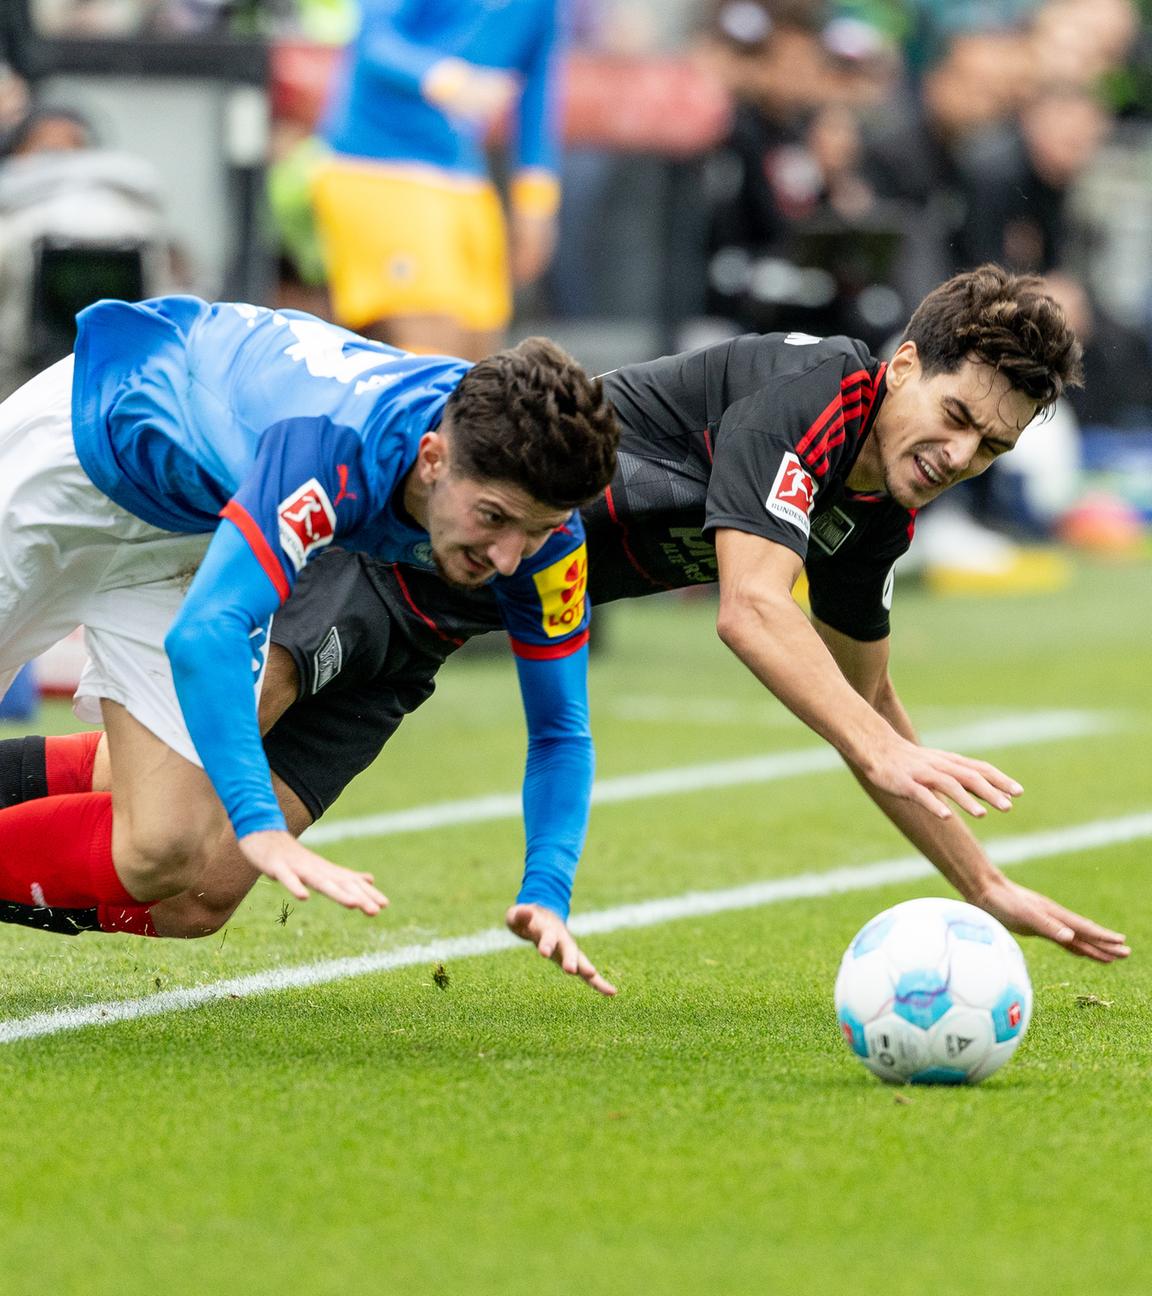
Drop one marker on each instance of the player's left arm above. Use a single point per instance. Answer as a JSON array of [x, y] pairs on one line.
[[764, 626], [546, 613], [557, 796], [948, 843]]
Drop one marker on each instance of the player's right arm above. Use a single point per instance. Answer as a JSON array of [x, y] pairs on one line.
[[210, 649], [948, 844], [765, 627]]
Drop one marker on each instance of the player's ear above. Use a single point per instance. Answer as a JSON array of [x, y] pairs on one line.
[[432, 456], [905, 364]]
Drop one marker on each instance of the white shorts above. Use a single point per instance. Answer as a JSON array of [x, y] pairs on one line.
[[70, 556]]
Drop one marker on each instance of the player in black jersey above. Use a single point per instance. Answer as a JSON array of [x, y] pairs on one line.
[[742, 463]]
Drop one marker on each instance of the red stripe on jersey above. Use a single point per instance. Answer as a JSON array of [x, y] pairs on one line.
[[827, 441], [871, 397], [818, 424], [821, 468], [428, 621], [708, 444], [912, 523], [246, 524], [547, 652], [848, 387], [817, 452], [624, 541]]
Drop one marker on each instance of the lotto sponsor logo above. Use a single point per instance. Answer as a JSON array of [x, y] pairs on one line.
[[792, 493], [307, 522], [561, 588]]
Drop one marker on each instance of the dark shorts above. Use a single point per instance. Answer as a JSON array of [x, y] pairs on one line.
[[367, 639]]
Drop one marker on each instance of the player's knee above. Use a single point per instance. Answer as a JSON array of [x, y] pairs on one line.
[[192, 916], [157, 859]]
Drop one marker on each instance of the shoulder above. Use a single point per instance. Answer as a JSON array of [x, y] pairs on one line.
[[790, 356]]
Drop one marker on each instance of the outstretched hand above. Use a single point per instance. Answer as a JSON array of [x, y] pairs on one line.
[[549, 933], [280, 856], [927, 776], [1031, 914]]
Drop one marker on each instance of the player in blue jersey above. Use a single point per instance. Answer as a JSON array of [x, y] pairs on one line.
[[411, 225], [165, 486]]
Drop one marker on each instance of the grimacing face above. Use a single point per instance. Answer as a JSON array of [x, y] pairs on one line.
[[932, 432], [477, 529]]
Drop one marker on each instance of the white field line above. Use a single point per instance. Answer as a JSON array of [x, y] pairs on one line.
[[1017, 730], [694, 904]]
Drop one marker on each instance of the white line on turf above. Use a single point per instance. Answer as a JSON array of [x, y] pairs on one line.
[[694, 904], [1016, 730]]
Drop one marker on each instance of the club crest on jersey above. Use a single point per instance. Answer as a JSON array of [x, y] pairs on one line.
[[561, 588], [792, 493], [327, 660], [307, 522]]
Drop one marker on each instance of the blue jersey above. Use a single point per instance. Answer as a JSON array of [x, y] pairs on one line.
[[298, 434], [378, 111]]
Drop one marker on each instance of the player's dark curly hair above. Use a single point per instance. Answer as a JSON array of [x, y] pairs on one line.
[[1000, 319], [532, 416]]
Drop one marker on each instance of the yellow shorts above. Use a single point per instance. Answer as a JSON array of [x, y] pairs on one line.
[[404, 240]]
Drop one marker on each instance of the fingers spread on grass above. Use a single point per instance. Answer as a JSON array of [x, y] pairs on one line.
[[598, 983]]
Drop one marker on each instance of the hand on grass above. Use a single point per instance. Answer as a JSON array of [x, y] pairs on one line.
[[1031, 914], [280, 856], [549, 933]]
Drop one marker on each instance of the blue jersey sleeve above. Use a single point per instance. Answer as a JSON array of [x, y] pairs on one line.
[[545, 609], [210, 646], [544, 605], [307, 487], [557, 777]]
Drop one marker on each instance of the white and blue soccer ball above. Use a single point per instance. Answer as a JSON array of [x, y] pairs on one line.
[[933, 991]]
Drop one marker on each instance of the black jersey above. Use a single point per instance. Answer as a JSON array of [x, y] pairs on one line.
[[757, 434]]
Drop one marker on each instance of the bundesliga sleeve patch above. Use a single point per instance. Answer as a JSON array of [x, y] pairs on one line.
[[792, 493], [307, 522], [561, 588]]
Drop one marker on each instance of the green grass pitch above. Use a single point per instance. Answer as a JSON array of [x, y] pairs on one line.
[[706, 1131]]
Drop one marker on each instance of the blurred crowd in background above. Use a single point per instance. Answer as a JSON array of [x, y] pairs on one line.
[[729, 165]]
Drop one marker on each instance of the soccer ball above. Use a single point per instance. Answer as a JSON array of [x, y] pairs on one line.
[[933, 991]]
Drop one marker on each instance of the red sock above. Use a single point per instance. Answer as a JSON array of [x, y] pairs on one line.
[[57, 853], [68, 762]]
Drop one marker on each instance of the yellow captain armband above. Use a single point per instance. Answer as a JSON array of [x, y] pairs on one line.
[[535, 193]]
